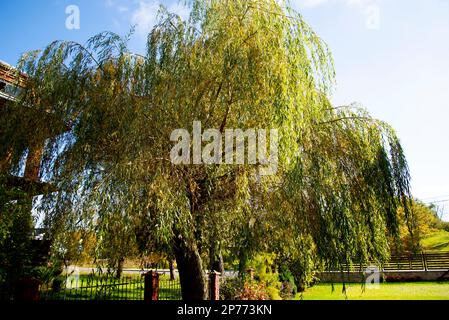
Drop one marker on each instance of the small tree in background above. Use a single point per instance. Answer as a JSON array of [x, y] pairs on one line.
[[16, 228]]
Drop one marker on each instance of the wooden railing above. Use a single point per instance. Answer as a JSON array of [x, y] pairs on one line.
[[425, 261]]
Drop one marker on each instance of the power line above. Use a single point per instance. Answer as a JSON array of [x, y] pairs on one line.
[[430, 198], [437, 201]]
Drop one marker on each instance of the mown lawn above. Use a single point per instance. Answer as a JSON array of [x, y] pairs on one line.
[[385, 291], [438, 241]]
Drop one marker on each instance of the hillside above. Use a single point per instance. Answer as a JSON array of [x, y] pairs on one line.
[[437, 241]]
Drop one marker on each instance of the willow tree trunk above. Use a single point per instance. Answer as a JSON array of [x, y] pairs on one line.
[[216, 259], [218, 264], [119, 270], [171, 265], [243, 262], [191, 276]]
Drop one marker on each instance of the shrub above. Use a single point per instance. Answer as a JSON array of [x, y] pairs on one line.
[[230, 287], [253, 290], [239, 289], [274, 293], [288, 287]]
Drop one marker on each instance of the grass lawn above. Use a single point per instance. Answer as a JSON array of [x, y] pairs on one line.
[[386, 291], [438, 241]]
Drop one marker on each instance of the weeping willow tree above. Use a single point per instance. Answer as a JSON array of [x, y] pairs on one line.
[[232, 64]]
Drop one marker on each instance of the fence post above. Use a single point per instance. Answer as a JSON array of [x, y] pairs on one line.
[[151, 289], [250, 272], [214, 287], [424, 259], [27, 289]]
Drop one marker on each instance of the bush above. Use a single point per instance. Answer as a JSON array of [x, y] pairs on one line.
[[229, 288], [274, 293], [253, 290], [288, 287], [445, 226], [239, 289], [15, 234]]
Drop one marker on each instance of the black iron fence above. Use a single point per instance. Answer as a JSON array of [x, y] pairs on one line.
[[107, 287], [94, 287], [99, 286], [169, 289]]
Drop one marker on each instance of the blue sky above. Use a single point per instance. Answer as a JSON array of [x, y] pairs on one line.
[[390, 55]]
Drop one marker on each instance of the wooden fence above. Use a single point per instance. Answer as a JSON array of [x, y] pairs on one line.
[[425, 261], [422, 261]]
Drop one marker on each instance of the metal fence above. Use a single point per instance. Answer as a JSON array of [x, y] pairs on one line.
[[104, 286], [169, 289], [93, 287]]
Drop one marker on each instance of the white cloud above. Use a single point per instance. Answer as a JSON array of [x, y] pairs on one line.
[[360, 3], [144, 17], [180, 10], [316, 3], [311, 3], [122, 9], [368, 8]]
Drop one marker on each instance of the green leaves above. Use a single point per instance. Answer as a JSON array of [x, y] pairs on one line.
[[232, 64]]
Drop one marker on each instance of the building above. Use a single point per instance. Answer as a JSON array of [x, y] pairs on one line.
[[11, 83]]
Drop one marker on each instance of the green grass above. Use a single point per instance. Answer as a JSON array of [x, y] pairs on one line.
[[438, 241], [385, 291]]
